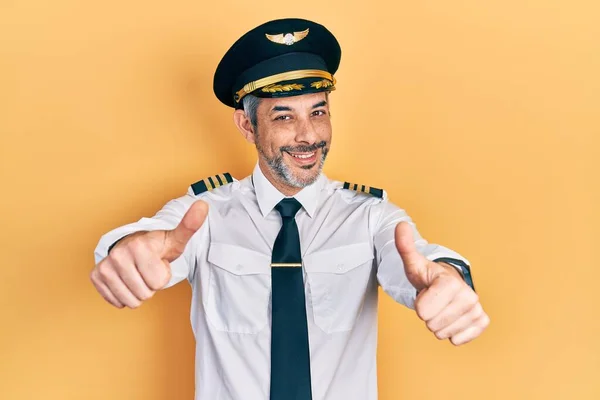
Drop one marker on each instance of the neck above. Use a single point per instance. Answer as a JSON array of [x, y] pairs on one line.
[[286, 190]]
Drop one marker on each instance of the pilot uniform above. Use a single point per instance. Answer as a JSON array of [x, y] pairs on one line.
[[346, 246]]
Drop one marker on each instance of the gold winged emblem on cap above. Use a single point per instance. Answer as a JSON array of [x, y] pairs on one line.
[[288, 38]]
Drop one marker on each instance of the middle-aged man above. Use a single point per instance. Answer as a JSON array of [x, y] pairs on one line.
[[285, 264]]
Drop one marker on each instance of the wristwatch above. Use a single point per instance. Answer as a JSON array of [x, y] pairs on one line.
[[462, 267]]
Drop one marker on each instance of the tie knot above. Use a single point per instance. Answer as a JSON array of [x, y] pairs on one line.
[[288, 207]]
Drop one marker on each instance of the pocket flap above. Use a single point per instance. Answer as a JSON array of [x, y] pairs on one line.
[[238, 260], [339, 260]]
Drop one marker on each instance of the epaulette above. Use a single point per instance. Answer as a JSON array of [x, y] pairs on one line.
[[364, 189], [212, 182]]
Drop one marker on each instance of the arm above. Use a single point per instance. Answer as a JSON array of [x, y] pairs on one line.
[[148, 255], [166, 218], [390, 272], [438, 292]]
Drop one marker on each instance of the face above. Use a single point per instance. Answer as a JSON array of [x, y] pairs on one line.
[[292, 136]]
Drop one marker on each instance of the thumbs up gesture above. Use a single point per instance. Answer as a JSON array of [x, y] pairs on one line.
[[138, 265], [449, 307]]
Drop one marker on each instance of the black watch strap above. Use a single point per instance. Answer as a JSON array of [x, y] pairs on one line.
[[462, 266]]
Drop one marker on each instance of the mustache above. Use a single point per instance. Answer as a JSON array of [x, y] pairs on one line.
[[304, 149]]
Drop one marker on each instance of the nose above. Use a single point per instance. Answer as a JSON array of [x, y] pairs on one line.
[[306, 132]]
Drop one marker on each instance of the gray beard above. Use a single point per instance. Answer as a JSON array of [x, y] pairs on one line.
[[280, 169]]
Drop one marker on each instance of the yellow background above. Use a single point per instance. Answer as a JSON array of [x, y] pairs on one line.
[[481, 118]]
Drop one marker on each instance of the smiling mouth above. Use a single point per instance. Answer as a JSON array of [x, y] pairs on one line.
[[302, 156], [303, 159]]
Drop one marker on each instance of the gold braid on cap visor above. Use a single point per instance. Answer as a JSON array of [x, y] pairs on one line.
[[284, 76]]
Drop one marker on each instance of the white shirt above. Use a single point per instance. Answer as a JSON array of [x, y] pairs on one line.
[[348, 249]]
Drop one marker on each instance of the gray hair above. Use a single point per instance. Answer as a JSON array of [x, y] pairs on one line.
[[251, 103]]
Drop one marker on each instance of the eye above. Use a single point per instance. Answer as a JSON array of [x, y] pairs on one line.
[[319, 113], [283, 118]]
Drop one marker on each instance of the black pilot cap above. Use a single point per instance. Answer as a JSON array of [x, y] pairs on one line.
[[284, 57]]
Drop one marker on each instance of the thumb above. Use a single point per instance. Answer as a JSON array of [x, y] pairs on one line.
[[177, 239], [415, 264]]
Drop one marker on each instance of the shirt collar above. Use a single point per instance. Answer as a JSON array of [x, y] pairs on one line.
[[268, 196]]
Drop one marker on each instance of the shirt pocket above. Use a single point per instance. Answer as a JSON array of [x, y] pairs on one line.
[[338, 280], [239, 288]]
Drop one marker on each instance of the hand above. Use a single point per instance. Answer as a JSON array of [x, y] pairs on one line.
[[449, 307], [138, 265]]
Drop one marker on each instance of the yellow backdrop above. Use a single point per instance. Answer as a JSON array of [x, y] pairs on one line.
[[481, 118]]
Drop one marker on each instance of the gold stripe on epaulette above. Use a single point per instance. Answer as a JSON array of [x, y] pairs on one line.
[[215, 182], [223, 179], [363, 189], [210, 182]]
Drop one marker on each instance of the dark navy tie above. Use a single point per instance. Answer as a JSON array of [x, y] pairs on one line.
[[290, 356]]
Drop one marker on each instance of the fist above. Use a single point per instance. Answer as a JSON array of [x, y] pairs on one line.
[[139, 264], [449, 307]]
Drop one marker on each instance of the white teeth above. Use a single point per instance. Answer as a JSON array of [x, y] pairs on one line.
[[302, 155]]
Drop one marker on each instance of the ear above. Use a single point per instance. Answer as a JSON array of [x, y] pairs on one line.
[[242, 122]]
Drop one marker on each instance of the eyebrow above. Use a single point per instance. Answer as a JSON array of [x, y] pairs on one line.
[[286, 108], [281, 108]]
